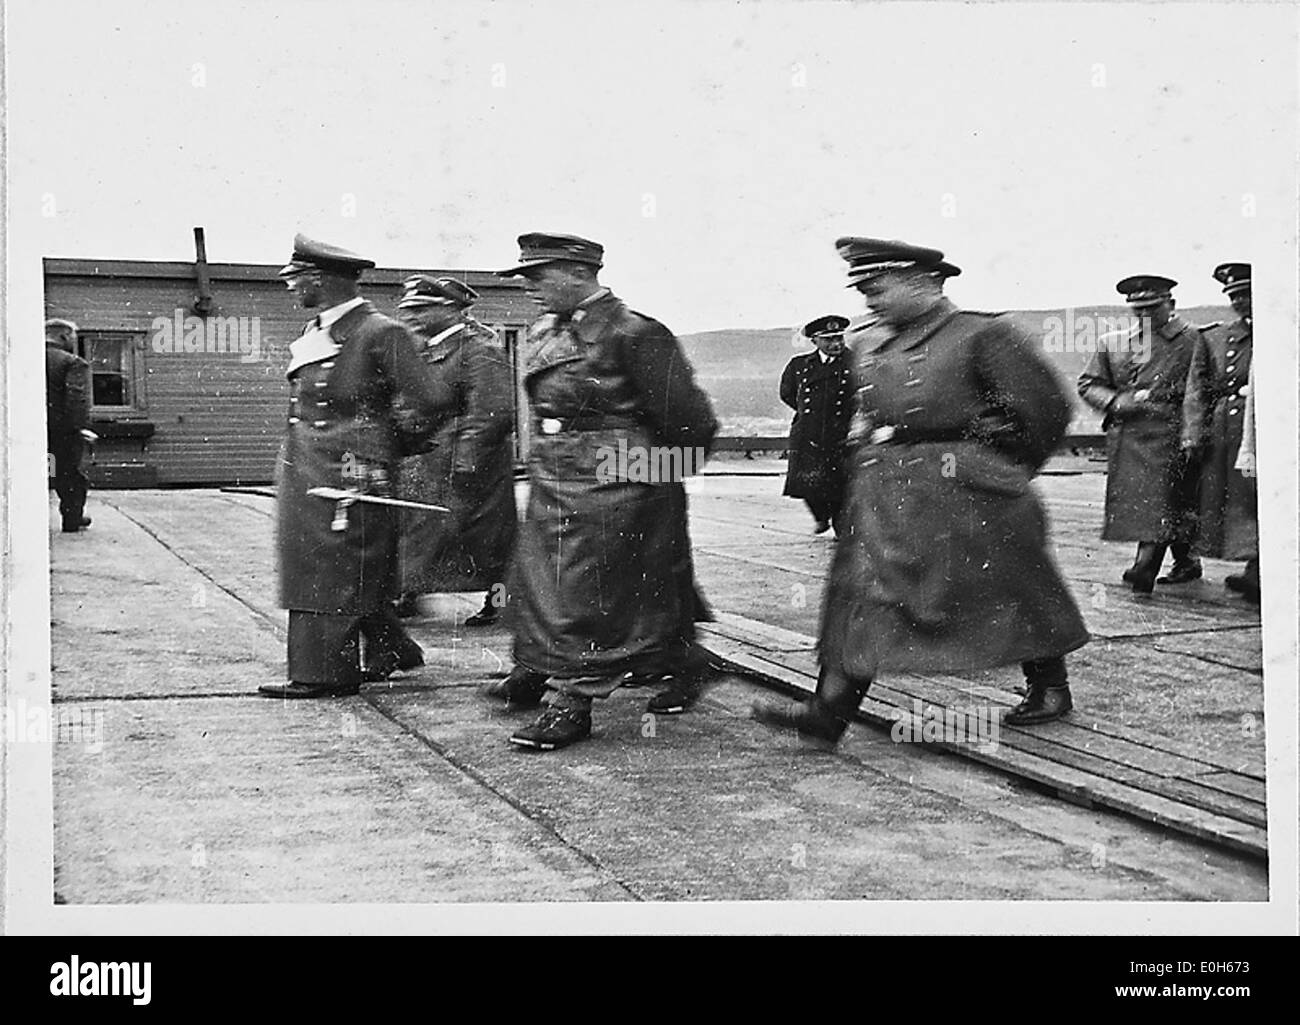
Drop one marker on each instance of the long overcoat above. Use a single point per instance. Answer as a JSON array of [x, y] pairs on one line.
[[341, 433], [601, 580], [821, 395], [946, 563], [1214, 414], [1150, 486], [469, 468]]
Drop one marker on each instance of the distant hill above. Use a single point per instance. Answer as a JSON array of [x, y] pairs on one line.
[[741, 368]]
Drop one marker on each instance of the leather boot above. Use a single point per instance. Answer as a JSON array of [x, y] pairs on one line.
[[1142, 576], [1186, 568], [1250, 582], [1048, 696], [826, 716]]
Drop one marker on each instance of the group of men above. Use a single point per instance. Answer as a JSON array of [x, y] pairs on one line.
[[941, 559], [917, 432], [1178, 411], [386, 416]]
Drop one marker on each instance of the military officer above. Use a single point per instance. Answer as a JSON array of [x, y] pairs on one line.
[[1214, 418], [603, 595], [338, 561], [817, 386], [945, 565], [470, 463], [1137, 379]]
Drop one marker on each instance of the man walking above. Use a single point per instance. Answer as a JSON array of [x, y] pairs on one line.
[[338, 559], [469, 465], [818, 387], [67, 417], [945, 565], [1214, 420], [603, 593], [1137, 379]]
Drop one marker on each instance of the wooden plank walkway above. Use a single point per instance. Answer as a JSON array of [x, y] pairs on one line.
[[1084, 758]]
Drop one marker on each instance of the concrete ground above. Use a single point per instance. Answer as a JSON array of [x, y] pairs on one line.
[[186, 786]]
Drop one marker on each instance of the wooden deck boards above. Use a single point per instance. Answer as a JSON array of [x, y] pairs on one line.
[[1084, 758]]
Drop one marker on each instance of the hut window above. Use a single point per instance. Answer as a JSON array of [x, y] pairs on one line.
[[112, 356]]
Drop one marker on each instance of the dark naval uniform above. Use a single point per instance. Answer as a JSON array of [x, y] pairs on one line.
[[818, 387], [1216, 409], [1213, 416], [468, 468], [1138, 380], [338, 561]]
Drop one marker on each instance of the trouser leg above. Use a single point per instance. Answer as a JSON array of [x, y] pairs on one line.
[[577, 694], [70, 483], [819, 508], [324, 648]]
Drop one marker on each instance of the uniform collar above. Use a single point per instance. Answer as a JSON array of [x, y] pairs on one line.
[[596, 311], [327, 318], [912, 334], [1172, 328], [444, 334]]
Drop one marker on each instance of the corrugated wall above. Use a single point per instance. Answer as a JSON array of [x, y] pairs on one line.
[[219, 417]]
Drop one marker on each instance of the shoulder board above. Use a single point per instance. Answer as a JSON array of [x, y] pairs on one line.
[[982, 313], [1210, 326]]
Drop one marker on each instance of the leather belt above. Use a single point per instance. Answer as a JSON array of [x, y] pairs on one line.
[[589, 422], [900, 434]]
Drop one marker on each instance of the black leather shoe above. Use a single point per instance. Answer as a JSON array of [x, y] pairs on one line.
[[678, 695], [1235, 582], [522, 688], [554, 728], [1143, 581], [488, 615], [812, 719], [387, 665], [72, 524], [1250, 591], [1041, 704], [309, 690], [1182, 573], [1127, 575]]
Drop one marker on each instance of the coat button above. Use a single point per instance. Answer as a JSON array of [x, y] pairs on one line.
[[320, 384], [1231, 353], [1232, 367], [320, 423], [293, 419], [1232, 411], [327, 366]]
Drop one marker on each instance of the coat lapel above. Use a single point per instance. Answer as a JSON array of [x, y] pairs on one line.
[[923, 327]]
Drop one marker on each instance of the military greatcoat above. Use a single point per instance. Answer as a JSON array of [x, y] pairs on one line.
[[1214, 413], [1150, 486], [469, 468], [820, 392], [341, 433], [946, 563], [601, 580]]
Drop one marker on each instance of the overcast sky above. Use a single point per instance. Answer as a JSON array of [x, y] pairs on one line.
[[716, 149]]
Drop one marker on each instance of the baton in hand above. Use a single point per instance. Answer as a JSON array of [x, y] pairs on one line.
[[346, 498]]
